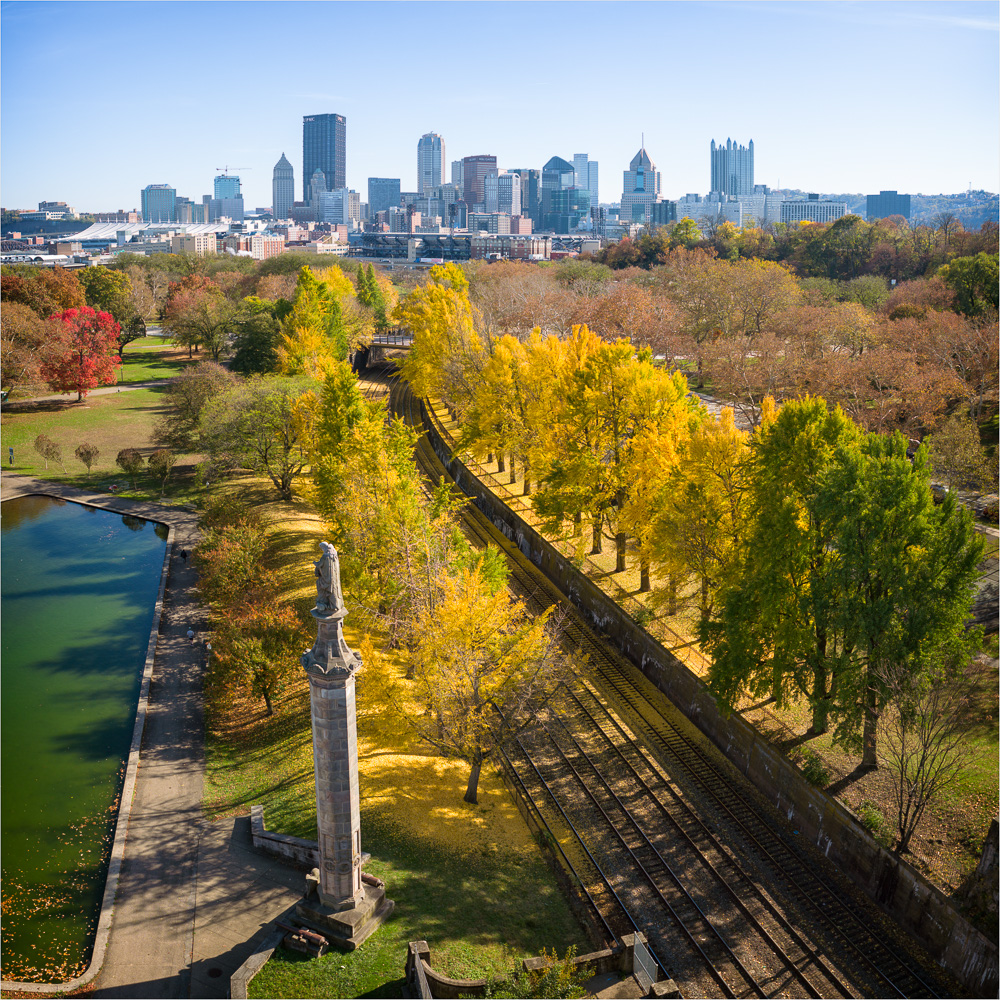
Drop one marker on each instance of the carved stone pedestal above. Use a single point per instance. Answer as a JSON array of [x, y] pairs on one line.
[[347, 928]]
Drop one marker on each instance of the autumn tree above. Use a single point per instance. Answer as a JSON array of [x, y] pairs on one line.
[[975, 282], [187, 396], [313, 332], [25, 343], [447, 352], [85, 358], [161, 461], [46, 290], [257, 336], [697, 520], [260, 426], [48, 449], [88, 454], [479, 652], [129, 460], [197, 314], [958, 458]]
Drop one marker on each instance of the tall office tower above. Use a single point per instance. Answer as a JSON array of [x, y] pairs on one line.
[[531, 193], [732, 169], [227, 186], [324, 147], [640, 189], [586, 175], [457, 175], [886, 203], [430, 162], [557, 175], [503, 193], [383, 194], [474, 171], [282, 189], [159, 203]]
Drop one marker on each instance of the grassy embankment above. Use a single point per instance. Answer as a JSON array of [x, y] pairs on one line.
[[468, 879], [949, 841]]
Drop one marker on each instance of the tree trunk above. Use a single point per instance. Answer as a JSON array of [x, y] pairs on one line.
[[704, 597], [489, 458], [267, 703], [671, 594], [513, 471], [500, 466], [577, 523], [644, 587], [869, 759], [598, 537], [472, 791], [821, 694], [620, 552], [527, 480]]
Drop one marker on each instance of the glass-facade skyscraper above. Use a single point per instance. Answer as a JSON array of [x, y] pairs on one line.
[[383, 194], [430, 162], [732, 168], [227, 186], [324, 147], [159, 203]]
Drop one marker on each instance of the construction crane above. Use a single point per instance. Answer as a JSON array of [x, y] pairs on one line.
[[225, 170]]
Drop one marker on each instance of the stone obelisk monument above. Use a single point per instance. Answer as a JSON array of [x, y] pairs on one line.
[[344, 906]]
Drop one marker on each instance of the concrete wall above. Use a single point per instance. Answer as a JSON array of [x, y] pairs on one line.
[[304, 853], [917, 905]]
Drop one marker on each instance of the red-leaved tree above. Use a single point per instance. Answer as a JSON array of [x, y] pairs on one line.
[[89, 346]]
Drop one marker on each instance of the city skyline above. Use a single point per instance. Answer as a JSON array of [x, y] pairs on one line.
[[883, 115]]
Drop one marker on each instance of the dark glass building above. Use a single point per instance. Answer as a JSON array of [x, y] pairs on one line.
[[324, 147], [886, 203], [383, 194]]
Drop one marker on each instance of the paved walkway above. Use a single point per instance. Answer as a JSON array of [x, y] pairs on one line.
[[192, 895]]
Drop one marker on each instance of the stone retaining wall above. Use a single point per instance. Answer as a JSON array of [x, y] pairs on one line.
[[897, 887]]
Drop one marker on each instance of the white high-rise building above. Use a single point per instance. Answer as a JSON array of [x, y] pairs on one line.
[[430, 162]]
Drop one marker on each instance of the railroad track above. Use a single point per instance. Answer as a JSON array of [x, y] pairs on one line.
[[662, 835]]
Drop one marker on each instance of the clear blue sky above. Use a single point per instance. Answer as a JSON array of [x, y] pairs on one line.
[[99, 99]]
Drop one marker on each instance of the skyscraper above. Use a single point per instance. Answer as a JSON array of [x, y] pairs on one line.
[[887, 203], [282, 189], [383, 194], [531, 193], [586, 175], [474, 171], [227, 186], [324, 147], [430, 162], [502, 192], [732, 168], [640, 189], [158, 203]]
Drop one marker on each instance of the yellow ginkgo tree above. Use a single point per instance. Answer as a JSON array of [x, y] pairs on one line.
[[480, 652]]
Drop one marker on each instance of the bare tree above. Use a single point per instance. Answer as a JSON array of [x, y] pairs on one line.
[[924, 740]]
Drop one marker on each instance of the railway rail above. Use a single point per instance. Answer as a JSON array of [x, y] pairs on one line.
[[661, 834]]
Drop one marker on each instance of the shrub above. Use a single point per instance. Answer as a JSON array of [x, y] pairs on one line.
[[562, 978], [874, 822], [644, 617], [814, 769], [88, 454]]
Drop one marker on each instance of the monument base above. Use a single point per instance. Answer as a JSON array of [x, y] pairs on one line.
[[347, 928]]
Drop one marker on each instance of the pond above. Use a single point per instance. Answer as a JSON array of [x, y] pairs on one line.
[[79, 588]]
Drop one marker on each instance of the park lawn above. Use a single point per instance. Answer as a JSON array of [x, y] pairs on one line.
[[110, 422], [149, 365], [458, 872]]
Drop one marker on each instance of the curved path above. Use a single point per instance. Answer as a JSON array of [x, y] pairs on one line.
[[192, 895]]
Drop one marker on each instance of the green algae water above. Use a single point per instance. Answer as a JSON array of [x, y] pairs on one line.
[[78, 588]]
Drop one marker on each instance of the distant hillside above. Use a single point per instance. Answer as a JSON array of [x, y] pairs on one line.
[[972, 209]]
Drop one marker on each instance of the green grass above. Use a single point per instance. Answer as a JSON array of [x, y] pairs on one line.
[[145, 366], [112, 422], [149, 342], [476, 911]]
